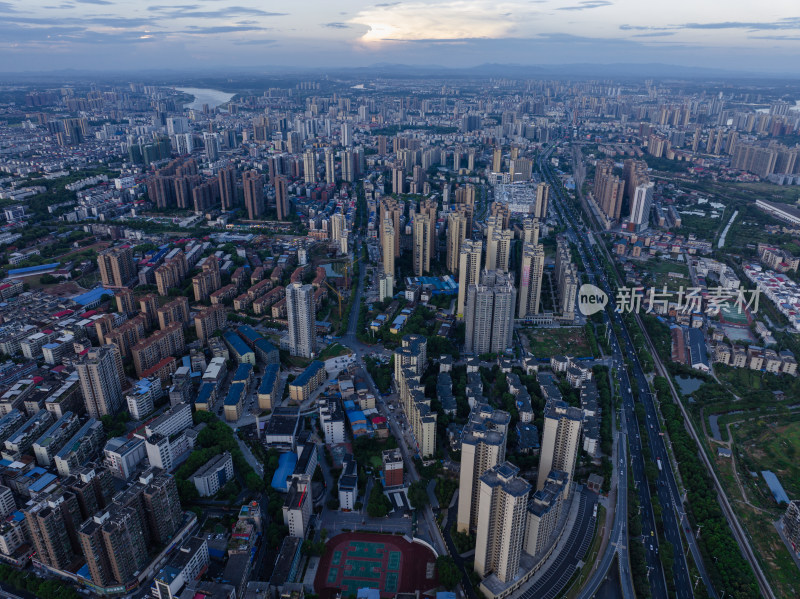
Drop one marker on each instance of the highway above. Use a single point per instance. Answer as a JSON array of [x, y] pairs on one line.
[[738, 532], [666, 487], [618, 542]]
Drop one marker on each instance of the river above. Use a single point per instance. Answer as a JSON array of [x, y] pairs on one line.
[[212, 97]]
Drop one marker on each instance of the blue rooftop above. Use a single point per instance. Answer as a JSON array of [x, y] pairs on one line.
[[236, 343], [43, 481], [286, 464], [243, 372], [234, 394], [265, 346], [33, 269], [205, 392], [311, 370], [249, 333], [268, 380], [92, 296], [775, 486]]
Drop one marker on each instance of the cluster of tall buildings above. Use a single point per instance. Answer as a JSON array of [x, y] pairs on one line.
[[513, 521], [410, 360]]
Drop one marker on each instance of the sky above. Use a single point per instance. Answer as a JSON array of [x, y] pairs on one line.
[[45, 35]]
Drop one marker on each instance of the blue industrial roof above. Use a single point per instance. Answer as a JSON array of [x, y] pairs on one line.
[[697, 347], [775, 486], [286, 464], [45, 480], [33, 269], [311, 370], [234, 394], [236, 343], [243, 372], [268, 380], [92, 296]]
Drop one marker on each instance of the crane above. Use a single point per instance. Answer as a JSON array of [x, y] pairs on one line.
[[338, 296]]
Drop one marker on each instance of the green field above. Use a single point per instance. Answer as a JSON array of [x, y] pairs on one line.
[[772, 446], [657, 273], [544, 343]]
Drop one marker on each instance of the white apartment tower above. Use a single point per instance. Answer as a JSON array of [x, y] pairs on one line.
[[302, 324]]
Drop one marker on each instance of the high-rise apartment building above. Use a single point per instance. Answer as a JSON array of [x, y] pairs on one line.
[[542, 197], [387, 247], [456, 234], [422, 247], [113, 544], [253, 184], [530, 231], [302, 323], [469, 269], [282, 197], [100, 372], [560, 441], [116, 265], [347, 135], [498, 248], [497, 160], [489, 313], [330, 167], [126, 303], [608, 189], [641, 204], [483, 446], [392, 210], [502, 518], [227, 187], [209, 320], [207, 281], [430, 208], [175, 311], [398, 180], [530, 280], [348, 165], [53, 523], [310, 167]]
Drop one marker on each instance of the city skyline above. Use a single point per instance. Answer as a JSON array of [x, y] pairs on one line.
[[42, 36]]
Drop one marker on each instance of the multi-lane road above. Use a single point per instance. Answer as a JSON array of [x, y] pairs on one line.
[[666, 487]]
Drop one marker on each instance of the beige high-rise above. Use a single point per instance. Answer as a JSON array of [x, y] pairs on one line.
[[502, 519], [530, 231], [542, 197], [497, 160], [116, 266], [560, 441], [99, 372], [422, 248], [469, 269], [483, 446], [393, 210], [530, 280], [330, 167], [310, 167], [387, 247], [302, 320], [498, 249], [456, 234], [430, 208]]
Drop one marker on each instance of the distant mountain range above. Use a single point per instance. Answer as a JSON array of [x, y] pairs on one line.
[[390, 70]]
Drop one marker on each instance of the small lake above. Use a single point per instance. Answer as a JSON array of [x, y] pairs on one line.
[[212, 97], [688, 384]]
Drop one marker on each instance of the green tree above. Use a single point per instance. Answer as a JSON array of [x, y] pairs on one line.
[[418, 495], [447, 572]]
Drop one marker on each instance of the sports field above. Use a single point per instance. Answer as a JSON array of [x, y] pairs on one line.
[[385, 562]]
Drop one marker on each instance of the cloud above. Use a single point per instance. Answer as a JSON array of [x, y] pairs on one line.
[[195, 30], [337, 25], [449, 20], [643, 28], [103, 2], [654, 34], [587, 4], [188, 12], [784, 38], [113, 22], [7, 7], [255, 42], [787, 23]]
